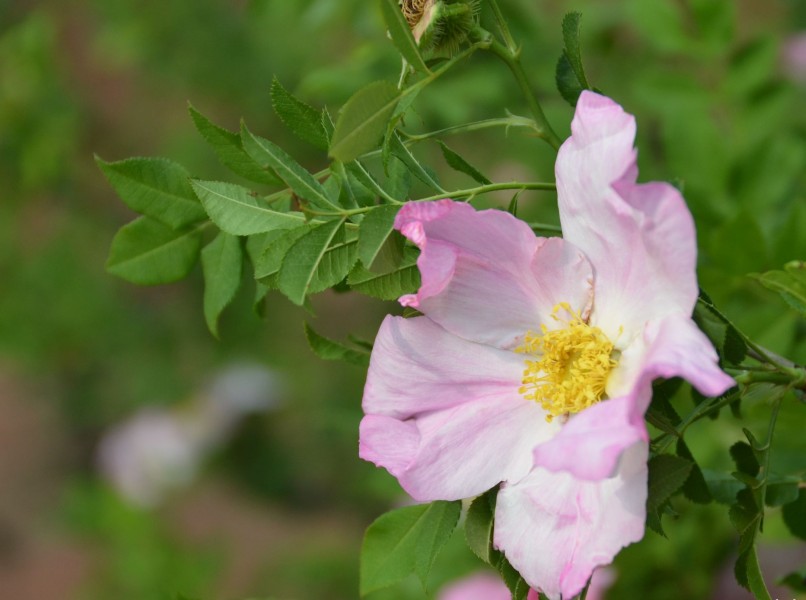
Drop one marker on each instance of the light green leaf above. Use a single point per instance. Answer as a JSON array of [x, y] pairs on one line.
[[401, 34], [460, 164], [155, 187], [386, 286], [236, 210], [790, 284], [312, 265], [362, 121], [229, 150], [374, 234], [298, 179], [147, 252], [405, 541], [222, 265], [304, 120], [479, 526], [329, 350]]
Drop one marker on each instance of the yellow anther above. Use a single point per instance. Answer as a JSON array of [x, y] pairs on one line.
[[568, 367]]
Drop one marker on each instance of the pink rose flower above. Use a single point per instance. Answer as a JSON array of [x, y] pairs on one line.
[[487, 586], [533, 363]]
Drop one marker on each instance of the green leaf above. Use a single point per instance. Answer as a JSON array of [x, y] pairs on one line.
[[237, 211], [298, 179], [745, 459], [399, 180], [723, 486], [748, 574], [377, 232], [479, 526], [386, 286], [726, 338], [661, 413], [146, 252], [311, 265], [667, 474], [362, 121], [695, 488], [401, 151], [275, 245], [571, 24], [222, 265], [795, 581], [782, 492], [566, 80], [789, 284], [405, 541], [795, 515], [329, 350], [229, 150], [155, 187], [401, 34], [458, 163], [305, 121]]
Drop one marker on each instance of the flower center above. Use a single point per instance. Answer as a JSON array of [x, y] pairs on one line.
[[568, 367]]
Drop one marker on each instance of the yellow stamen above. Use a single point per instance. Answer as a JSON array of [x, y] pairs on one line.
[[569, 369]]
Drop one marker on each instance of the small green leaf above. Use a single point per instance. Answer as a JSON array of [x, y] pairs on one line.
[[667, 474], [229, 150], [329, 350], [362, 121], [745, 459], [571, 24], [236, 210], [401, 34], [275, 245], [386, 286], [374, 233], [479, 526], [305, 121], [789, 284], [298, 179], [401, 151], [722, 486], [748, 574], [781, 492], [311, 265], [399, 180], [458, 163], [222, 265], [795, 515], [405, 541], [796, 581], [155, 187], [695, 488], [146, 252]]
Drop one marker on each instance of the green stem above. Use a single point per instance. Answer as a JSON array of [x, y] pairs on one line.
[[510, 121], [502, 26], [512, 60], [492, 187]]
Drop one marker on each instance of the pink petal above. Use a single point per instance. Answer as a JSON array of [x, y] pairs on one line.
[[444, 415], [555, 529], [485, 276], [591, 443], [639, 238], [480, 586]]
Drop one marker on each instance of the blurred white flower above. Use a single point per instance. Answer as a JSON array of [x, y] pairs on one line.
[[158, 450]]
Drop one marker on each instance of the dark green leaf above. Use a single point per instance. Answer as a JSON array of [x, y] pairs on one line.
[[781, 492], [222, 265], [155, 187], [748, 574], [571, 23], [329, 350], [745, 459], [374, 233], [362, 121], [147, 252], [402, 152], [667, 474], [795, 515], [399, 180], [695, 488], [567, 83], [275, 245], [298, 179], [661, 413], [311, 265], [237, 211], [479, 526], [386, 286], [796, 581], [401, 34], [405, 541], [229, 150], [723, 486], [460, 164], [304, 120]]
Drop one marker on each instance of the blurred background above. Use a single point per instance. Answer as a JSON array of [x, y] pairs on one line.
[[141, 458]]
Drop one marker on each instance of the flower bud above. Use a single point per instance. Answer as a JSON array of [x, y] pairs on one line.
[[440, 26]]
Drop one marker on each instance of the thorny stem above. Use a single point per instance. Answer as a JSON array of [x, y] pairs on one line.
[[503, 27]]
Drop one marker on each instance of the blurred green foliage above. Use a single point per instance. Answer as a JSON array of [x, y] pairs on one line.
[[715, 114]]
